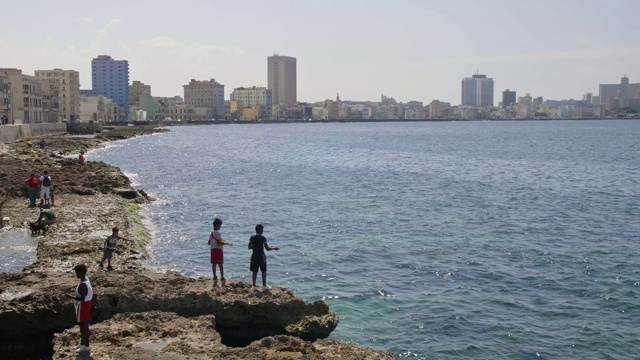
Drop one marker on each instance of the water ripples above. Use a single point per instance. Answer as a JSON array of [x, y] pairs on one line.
[[434, 240]]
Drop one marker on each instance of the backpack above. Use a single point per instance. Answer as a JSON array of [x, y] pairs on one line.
[[46, 181]]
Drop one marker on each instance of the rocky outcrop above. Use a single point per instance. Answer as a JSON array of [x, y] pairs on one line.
[[35, 304], [138, 314], [161, 335]]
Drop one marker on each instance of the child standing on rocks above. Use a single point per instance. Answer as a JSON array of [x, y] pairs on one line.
[[83, 297], [217, 257], [258, 243], [109, 247]]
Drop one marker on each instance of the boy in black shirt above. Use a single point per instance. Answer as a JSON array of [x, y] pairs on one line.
[[258, 243]]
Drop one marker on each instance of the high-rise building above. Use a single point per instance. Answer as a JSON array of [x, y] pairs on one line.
[[206, 94], [110, 78], [622, 91], [136, 89], [508, 98], [282, 79], [477, 91], [64, 85]]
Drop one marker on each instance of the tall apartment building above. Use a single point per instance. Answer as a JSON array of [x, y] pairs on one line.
[[136, 89], [254, 97], [30, 99], [282, 79], [477, 91], [508, 98], [205, 94], [64, 85], [623, 91], [110, 78]]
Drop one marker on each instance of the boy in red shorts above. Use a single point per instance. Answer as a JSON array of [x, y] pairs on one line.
[[83, 297], [217, 257]]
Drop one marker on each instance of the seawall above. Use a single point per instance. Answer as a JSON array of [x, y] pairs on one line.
[[12, 133]]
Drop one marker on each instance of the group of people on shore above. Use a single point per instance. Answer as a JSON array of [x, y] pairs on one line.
[[44, 187], [257, 243], [84, 292]]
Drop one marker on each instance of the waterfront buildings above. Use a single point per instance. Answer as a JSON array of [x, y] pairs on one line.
[[110, 78], [618, 96], [508, 98], [64, 86], [439, 109], [137, 89], [477, 91], [254, 102], [100, 109], [207, 94], [282, 79], [29, 101], [525, 107]]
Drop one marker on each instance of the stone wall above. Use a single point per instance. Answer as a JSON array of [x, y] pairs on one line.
[[84, 128], [13, 133]]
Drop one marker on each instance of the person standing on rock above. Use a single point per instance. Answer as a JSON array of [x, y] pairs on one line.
[[32, 187], [258, 244], [216, 242], [82, 303], [45, 186], [109, 247], [81, 157]]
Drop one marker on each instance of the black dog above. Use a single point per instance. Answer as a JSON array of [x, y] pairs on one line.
[[38, 228]]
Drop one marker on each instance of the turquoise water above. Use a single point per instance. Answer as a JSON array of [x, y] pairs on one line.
[[460, 240]]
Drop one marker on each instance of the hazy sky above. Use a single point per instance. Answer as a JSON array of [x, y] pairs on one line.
[[408, 49]]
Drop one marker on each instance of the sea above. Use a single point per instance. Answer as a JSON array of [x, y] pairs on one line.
[[432, 240]]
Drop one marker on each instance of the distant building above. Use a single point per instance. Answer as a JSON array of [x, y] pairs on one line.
[[4, 100], [525, 107], [64, 85], [259, 98], [205, 94], [282, 79], [477, 91], [137, 89], [30, 99], [623, 91], [508, 98], [439, 109], [110, 78], [99, 109], [588, 97], [387, 100]]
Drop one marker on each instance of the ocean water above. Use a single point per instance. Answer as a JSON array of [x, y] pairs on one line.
[[447, 240], [17, 249]]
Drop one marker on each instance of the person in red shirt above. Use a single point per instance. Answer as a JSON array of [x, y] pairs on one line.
[[32, 187]]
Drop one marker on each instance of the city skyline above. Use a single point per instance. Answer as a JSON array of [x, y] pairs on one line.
[[410, 50]]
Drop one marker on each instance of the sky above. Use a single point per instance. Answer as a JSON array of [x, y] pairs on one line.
[[412, 50]]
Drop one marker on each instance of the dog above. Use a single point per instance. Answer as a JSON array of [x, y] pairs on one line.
[[38, 228]]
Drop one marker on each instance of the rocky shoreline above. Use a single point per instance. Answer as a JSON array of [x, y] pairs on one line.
[[139, 314]]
